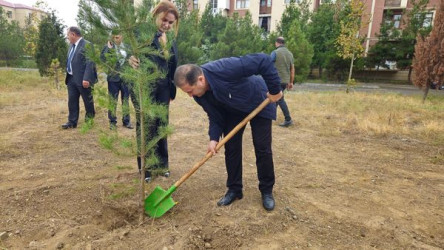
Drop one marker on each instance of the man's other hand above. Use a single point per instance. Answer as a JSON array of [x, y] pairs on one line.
[[275, 98]]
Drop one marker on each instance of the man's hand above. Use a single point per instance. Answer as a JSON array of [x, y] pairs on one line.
[[134, 62], [85, 84], [275, 98], [212, 147], [289, 86]]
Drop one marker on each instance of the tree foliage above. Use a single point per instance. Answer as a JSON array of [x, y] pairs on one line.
[[349, 42], [31, 35], [51, 44], [322, 34], [189, 39], [138, 28], [385, 49], [239, 37], [12, 40], [429, 61], [301, 49], [413, 22]]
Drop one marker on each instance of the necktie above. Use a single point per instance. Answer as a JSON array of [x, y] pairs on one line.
[[71, 54]]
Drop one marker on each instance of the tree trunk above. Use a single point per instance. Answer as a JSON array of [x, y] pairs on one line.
[[409, 78], [350, 73], [426, 91]]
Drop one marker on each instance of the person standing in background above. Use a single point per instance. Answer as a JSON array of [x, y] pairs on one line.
[[81, 75], [284, 63], [115, 82]]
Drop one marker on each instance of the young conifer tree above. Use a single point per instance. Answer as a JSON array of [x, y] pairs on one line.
[[429, 63], [137, 26]]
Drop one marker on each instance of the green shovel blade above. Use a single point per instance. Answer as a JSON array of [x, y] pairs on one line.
[[159, 202]]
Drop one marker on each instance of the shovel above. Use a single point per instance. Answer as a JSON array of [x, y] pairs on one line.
[[160, 201]]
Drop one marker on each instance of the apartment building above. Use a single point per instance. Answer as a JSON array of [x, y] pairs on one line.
[[378, 10], [267, 13], [20, 13]]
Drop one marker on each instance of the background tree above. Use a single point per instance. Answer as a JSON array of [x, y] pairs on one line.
[[322, 33], [211, 26], [302, 51], [189, 39], [31, 35], [385, 49], [51, 44], [138, 28], [239, 37], [429, 61], [414, 21], [12, 41], [294, 11], [349, 43]]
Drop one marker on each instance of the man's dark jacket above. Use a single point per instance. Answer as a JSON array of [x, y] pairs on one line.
[[82, 68], [239, 84]]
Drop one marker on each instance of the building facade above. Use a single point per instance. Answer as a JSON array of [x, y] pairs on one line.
[[21, 13], [379, 10], [267, 13]]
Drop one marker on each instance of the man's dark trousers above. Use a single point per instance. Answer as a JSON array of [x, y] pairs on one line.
[[261, 133], [281, 103], [114, 87], [74, 93]]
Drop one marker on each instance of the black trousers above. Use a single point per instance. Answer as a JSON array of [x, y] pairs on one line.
[[74, 93], [283, 105], [113, 90], [159, 95], [261, 133]]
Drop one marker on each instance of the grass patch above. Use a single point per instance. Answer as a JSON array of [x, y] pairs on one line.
[[372, 114]]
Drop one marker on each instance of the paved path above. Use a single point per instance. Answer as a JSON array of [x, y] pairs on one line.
[[364, 87]]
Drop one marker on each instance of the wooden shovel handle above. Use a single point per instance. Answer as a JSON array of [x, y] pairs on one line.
[[223, 141]]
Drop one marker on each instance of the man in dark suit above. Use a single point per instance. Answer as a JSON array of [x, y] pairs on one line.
[[80, 77]]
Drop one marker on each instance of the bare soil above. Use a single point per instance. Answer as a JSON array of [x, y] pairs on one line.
[[60, 190]]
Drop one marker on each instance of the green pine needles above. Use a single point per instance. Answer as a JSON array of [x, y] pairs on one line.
[[137, 26]]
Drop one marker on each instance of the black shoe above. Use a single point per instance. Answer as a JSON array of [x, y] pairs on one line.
[[268, 201], [166, 174], [286, 123], [128, 125], [112, 126], [229, 197], [69, 125], [147, 176]]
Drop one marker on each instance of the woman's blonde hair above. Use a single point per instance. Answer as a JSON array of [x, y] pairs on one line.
[[165, 7]]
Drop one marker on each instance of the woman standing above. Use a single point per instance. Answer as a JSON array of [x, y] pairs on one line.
[[166, 17]]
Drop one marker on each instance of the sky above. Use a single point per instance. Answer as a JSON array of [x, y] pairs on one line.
[[66, 10]]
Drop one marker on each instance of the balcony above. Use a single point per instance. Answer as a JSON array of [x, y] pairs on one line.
[[395, 4]]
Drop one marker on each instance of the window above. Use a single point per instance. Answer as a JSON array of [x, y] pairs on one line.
[[263, 2], [425, 18], [269, 3], [9, 14], [242, 4], [214, 6], [195, 6], [396, 21], [264, 23]]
